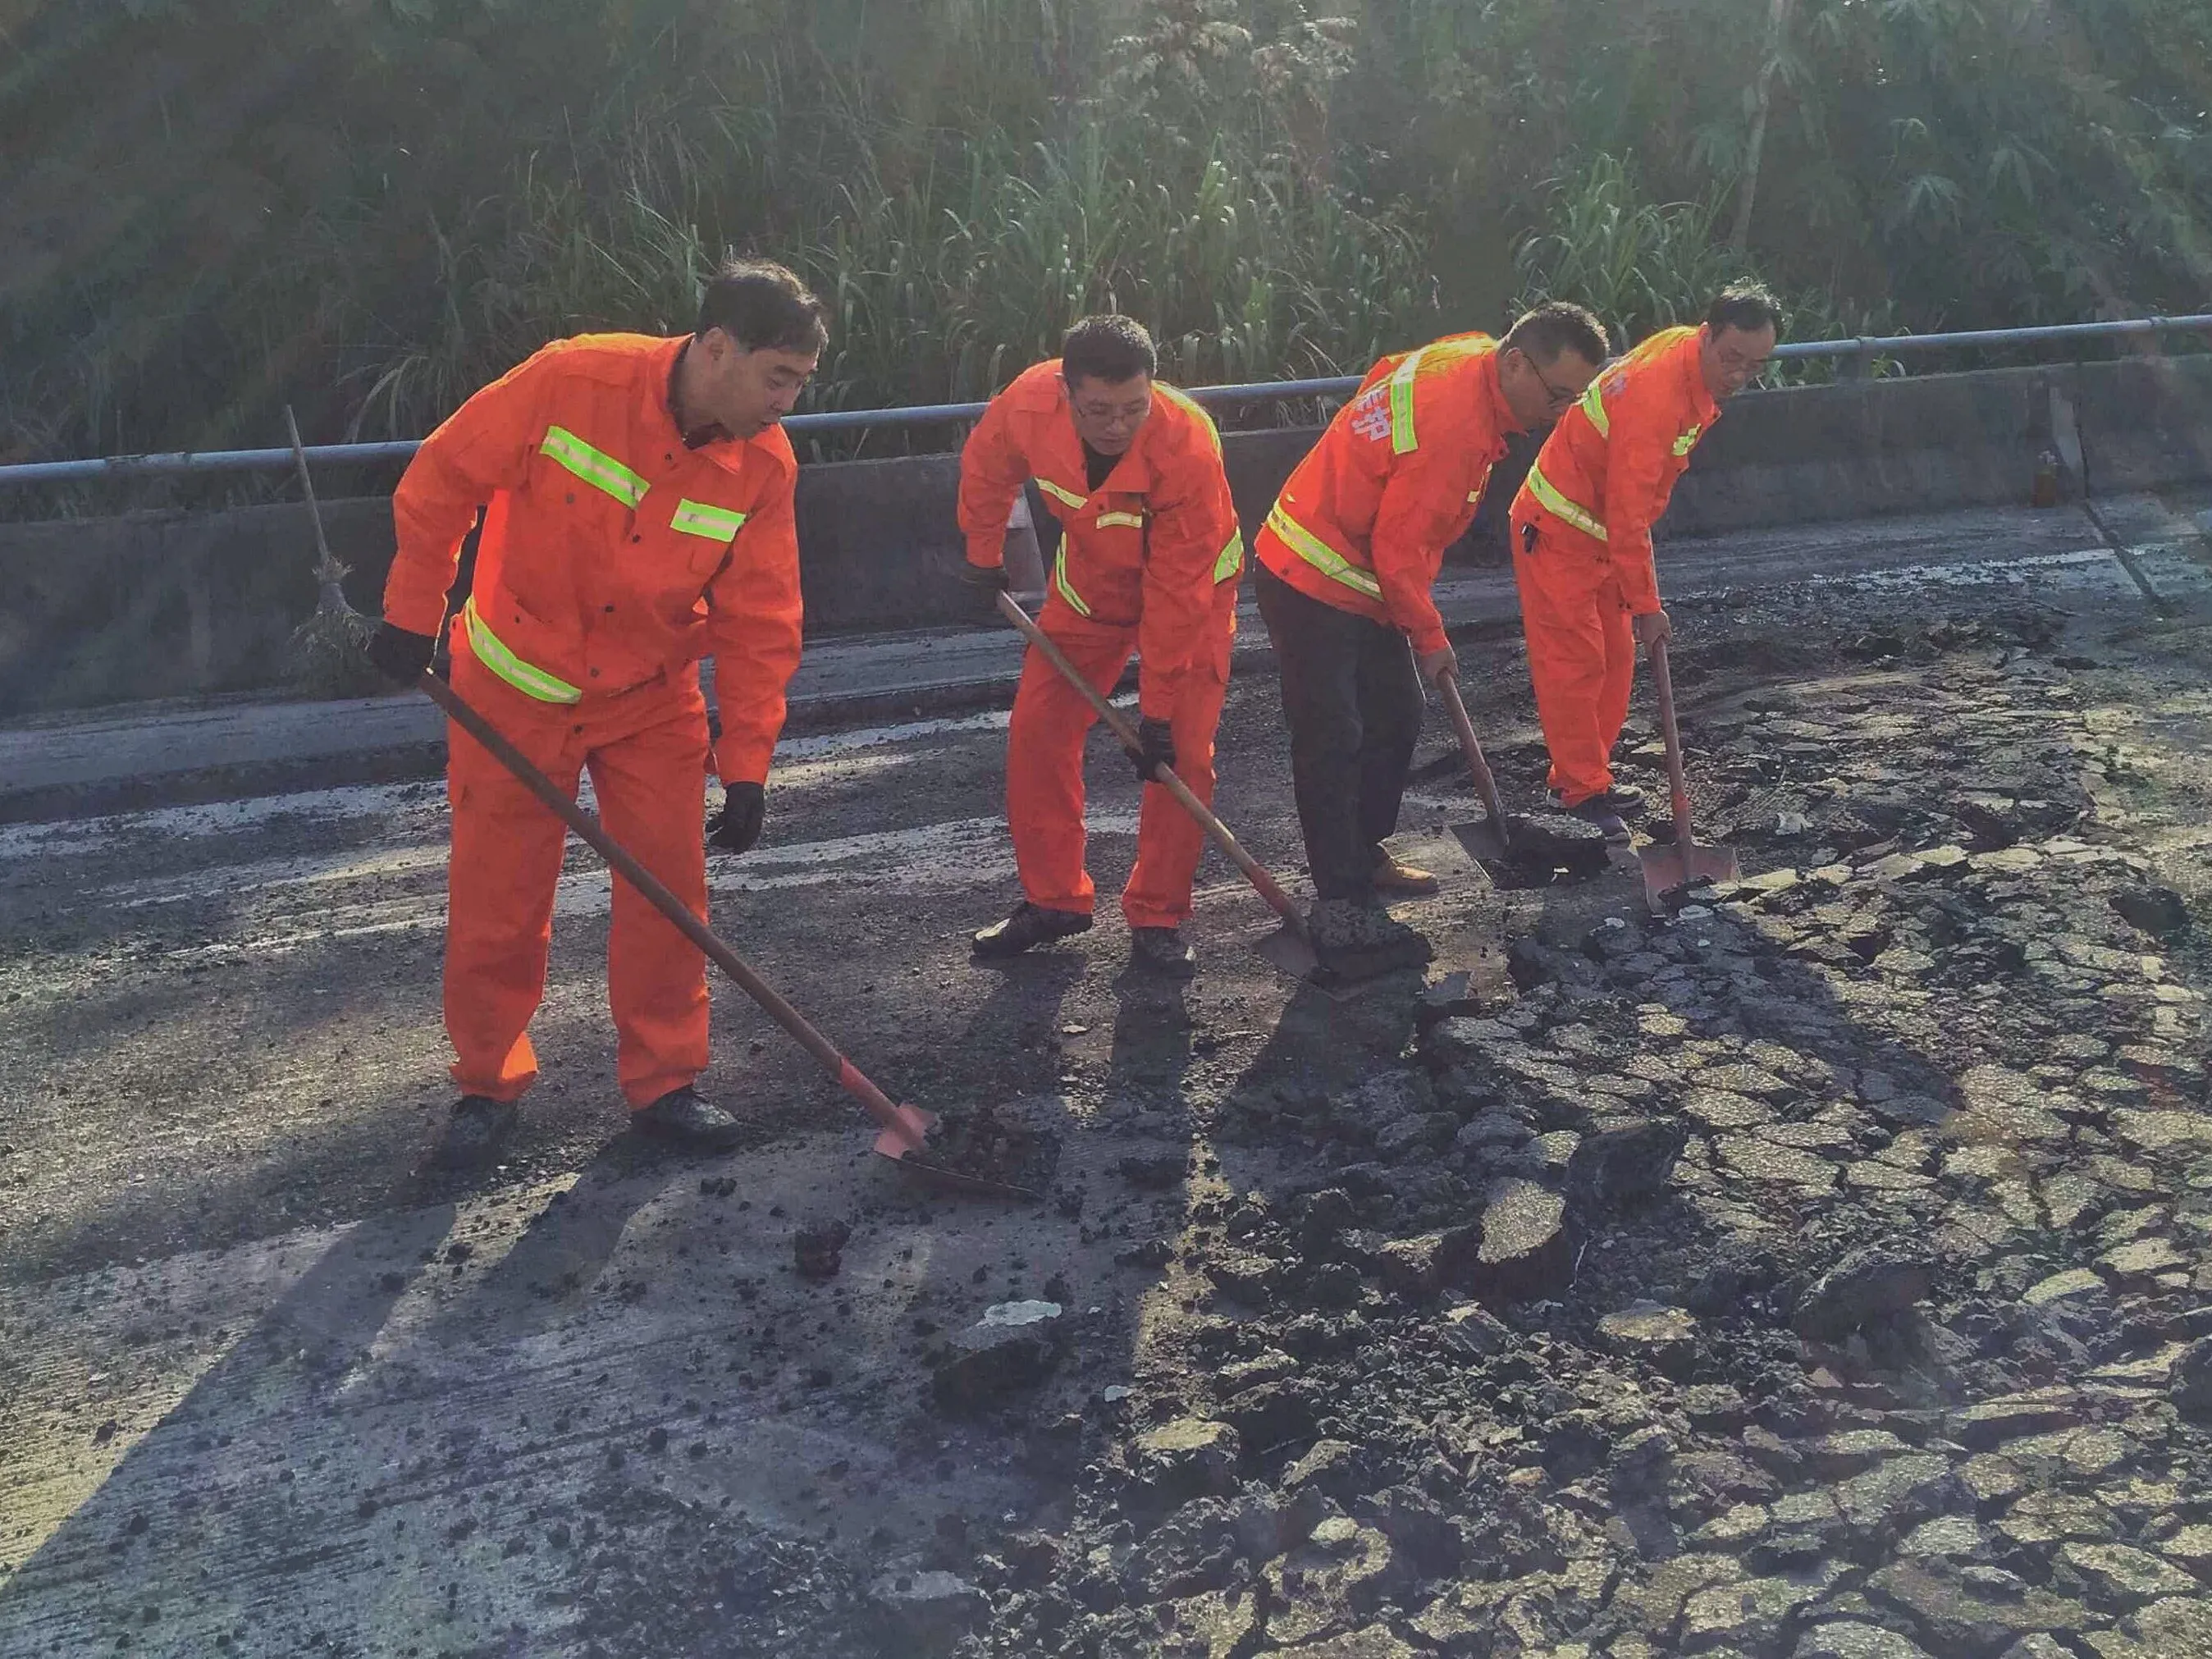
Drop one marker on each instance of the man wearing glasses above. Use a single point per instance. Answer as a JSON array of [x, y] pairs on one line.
[[1582, 535], [1149, 556], [1346, 561]]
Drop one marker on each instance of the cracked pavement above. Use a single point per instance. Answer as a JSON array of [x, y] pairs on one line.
[[1823, 1271]]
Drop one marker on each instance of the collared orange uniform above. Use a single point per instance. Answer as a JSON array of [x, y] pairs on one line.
[[1582, 545], [1148, 561], [612, 558], [1365, 520]]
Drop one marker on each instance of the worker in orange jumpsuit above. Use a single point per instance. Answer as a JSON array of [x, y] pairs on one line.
[[637, 502], [1347, 558], [1582, 535], [1149, 557]]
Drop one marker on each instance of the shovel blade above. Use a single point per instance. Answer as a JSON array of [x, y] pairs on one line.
[[1288, 954], [906, 1142], [1669, 872], [1485, 842]]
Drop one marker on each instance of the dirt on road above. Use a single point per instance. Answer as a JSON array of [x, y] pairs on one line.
[[1824, 1271]]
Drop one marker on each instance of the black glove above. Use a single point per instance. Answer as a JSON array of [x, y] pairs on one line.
[[1155, 746], [983, 583], [399, 656], [744, 809]]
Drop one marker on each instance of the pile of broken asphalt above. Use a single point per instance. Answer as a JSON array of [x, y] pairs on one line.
[[1820, 1272]]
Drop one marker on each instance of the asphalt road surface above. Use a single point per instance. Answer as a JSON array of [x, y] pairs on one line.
[[269, 1384]]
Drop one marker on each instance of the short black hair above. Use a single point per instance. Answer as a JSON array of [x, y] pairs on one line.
[[1112, 348], [763, 307], [1747, 306], [1557, 325]]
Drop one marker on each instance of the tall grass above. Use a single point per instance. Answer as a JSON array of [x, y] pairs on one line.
[[366, 209]]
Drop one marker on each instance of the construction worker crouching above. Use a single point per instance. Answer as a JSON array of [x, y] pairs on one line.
[[637, 496], [1346, 561], [1148, 561], [1582, 535]]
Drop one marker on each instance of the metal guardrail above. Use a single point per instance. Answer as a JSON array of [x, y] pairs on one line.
[[1856, 352]]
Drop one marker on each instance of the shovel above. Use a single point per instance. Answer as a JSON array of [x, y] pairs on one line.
[[904, 1140], [1670, 869], [1291, 949], [1489, 841]]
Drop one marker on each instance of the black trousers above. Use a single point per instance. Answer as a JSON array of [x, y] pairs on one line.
[[1353, 701]]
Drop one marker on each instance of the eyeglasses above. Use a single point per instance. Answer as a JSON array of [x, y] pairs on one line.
[[1559, 396]]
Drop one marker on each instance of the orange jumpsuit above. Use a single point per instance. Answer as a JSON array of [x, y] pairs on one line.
[[1582, 545], [1147, 562], [613, 557], [1365, 520]]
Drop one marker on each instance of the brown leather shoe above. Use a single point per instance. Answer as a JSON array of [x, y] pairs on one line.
[[1403, 879]]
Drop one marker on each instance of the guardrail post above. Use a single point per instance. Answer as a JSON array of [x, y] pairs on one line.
[[1854, 364]]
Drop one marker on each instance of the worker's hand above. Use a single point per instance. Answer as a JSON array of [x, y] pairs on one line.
[[744, 809], [1652, 628], [983, 584], [1155, 746], [1434, 665], [398, 655]]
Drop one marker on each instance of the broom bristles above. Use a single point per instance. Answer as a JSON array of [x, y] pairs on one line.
[[329, 652]]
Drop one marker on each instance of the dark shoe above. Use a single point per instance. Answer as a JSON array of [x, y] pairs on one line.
[[477, 1129], [683, 1120], [1623, 800], [1407, 880], [1609, 821], [1162, 950], [1030, 925]]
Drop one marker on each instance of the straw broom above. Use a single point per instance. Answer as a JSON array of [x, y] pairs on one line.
[[329, 650]]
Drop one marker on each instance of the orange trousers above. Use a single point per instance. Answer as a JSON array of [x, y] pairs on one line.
[[1581, 650], [1044, 769], [647, 751]]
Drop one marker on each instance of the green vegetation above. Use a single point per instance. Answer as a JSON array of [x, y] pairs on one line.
[[367, 208]]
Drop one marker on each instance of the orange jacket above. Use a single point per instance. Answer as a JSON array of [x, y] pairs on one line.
[[610, 552], [1610, 465], [1365, 520], [1150, 548]]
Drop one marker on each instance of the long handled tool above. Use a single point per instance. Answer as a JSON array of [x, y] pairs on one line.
[[1490, 840], [906, 1129], [1292, 949], [1668, 870], [329, 650]]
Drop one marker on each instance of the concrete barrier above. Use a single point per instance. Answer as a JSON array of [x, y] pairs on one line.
[[170, 604]]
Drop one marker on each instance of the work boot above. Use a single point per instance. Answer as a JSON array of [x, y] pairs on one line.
[[1356, 939], [684, 1121], [1407, 880], [1610, 822], [1623, 800], [477, 1129], [1030, 925], [1161, 950]]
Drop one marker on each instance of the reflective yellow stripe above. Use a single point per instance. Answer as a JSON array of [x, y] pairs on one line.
[[716, 524], [595, 467], [1688, 440], [1402, 439], [1594, 406], [1066, 498], [1134, 520], [1320, 555], [1581, 516], [1184, 400], [531, 682], [1230, 560], [1060, 581]]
